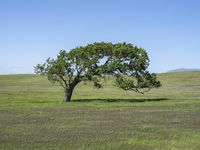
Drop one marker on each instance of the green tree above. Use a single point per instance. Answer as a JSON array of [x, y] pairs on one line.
[[124, 61]]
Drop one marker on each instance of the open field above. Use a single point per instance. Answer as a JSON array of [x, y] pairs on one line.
[[33, 116]]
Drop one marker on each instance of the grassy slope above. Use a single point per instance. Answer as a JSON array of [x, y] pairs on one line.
[[33, 116]]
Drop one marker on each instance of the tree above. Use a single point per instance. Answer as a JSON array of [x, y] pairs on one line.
[[124, 61]]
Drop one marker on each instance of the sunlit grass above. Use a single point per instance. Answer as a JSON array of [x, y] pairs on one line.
[[34, 116]]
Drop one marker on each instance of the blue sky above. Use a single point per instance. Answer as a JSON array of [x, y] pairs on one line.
[[33, 30]]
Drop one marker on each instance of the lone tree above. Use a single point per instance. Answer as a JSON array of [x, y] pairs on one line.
[[124, 61]]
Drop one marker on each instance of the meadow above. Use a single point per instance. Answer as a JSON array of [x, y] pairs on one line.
[[34, 116]]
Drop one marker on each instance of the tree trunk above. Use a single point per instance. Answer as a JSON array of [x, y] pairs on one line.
[[69, 91], [68, 94]]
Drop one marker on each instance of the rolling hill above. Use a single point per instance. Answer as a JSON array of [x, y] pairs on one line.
[[184, 70], [34, 88], [34, 116]]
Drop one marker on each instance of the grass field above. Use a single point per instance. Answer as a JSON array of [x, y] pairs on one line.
[[33, 115]]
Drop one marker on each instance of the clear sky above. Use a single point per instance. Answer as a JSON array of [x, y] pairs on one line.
[[33, 30]]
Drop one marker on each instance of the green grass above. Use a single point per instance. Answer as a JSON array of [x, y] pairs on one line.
[[33, 115]]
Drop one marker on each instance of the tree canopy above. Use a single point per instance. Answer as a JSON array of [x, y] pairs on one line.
[[124, 61]]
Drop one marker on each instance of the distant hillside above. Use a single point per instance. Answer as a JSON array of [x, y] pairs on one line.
[[184, 70], [34, 88]]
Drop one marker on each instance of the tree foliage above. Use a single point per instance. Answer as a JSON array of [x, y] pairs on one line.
[[124, 61]]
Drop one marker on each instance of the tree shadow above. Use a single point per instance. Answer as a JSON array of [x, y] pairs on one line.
[[111, 100]]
